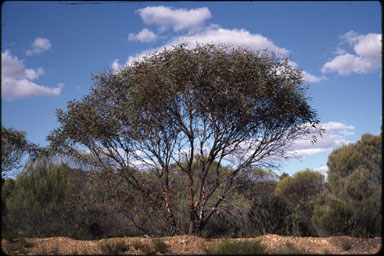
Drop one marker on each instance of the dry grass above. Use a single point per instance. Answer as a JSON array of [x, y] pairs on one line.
[[273, 244]]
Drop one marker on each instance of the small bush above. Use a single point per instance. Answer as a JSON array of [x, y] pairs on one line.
[[137, 245], [16, 246], [113, 248], [346, 244], [160, 246], [147, 250], [290, 249], [236, 248]]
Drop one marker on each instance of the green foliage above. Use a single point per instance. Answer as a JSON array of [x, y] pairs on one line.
[[13, 146], [302, 218], [236, 248], [113, 248], [302, 186], [346, 244], [160, 246], [209, 99], [299, 192], [352, 205], [283, 175], [271, 215], [37, 200], [290, 249]]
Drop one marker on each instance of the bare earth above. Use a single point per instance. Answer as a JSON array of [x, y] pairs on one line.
[[196, 245]]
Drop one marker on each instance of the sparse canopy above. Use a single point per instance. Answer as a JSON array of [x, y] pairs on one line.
[[13, 146], [229, 106]]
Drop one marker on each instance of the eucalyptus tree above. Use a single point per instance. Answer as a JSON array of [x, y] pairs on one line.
[[13, 146], [213, 104], [352, 203]]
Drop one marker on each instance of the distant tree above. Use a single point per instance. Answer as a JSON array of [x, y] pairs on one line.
[[299, 192], [283, 175], [13, 146], [302, 186], [236, 107], [271, 215], [352, 204]]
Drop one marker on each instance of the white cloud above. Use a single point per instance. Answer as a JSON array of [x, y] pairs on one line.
[[311, 78], [215, 35], [178, 19], [116, 66], [238, 37], [322, 169], [32, 74], [333, 137], [16, 81], [144, 35], [39, 45], [307, 76], [366, 57]]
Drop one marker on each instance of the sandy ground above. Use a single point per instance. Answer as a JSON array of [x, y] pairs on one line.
[[195, 245]]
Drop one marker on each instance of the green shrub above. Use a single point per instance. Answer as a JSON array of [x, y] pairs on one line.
[[346, 244], [38, 200], [290, 249], [160, 246], [147, 250], [236, 248], [113, 248]]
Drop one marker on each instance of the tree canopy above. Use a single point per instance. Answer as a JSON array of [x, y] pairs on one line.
[[212, 104], [13, 146], [352, 204]]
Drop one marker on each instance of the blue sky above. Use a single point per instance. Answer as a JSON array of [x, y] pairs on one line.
[[50, 50]]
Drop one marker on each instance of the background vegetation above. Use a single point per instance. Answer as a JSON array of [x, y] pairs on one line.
[[183, 142], [49, 198]]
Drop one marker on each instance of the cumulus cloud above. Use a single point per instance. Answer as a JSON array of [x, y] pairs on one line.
[[178, 19], [39, 45], [309, 78], [16, 80], [217, 35], [116, 66], [214, 34], [144, 35], [366, 57], [333, 137], [322, 169]]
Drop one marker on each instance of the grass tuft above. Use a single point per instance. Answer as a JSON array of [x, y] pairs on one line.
[[346, 244], [236, 248], [160, 246], [290, 249], [113, 248]]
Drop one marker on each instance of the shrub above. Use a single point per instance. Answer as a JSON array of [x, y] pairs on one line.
[[346, 244], [160, 246], [137, 245], [290, 249], [146, 249], [113, 248], [236, 248]]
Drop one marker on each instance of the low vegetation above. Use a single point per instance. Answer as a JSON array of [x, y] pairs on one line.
[[113, 248], [236, 248], [160, 246], [290, 249]]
